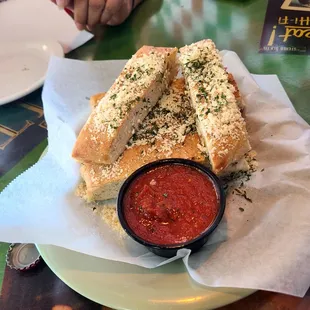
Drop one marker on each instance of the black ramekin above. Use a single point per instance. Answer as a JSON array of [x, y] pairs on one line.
[[194, 244]]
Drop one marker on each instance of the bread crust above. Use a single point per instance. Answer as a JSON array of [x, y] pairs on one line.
[[214, 98], [103, 188], [112, 123]]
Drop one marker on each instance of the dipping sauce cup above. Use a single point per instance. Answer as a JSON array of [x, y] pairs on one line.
[[171, 204]]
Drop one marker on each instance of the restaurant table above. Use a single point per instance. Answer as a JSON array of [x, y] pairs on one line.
[[233, 25]]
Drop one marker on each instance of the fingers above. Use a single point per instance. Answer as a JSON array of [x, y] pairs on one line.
[[88, 13], [111, 8], [123, 12], [80, 13], [67, 4], [118, 18], [62, 3], [95, 10], [70, 5]]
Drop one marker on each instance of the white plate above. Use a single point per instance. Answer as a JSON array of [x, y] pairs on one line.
[[23, 67], [124, 286]]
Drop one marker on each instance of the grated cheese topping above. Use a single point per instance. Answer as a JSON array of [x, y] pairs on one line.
[[129, 88], [212, 96], [108, 214], [165, 126], [168, 123], [106, 171]]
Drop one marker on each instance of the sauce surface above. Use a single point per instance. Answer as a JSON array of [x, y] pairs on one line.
[[171, 204]]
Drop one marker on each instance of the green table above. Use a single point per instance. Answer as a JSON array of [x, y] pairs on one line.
[[234, 25]]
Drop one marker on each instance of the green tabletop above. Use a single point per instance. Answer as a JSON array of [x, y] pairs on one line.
[[233, 25]]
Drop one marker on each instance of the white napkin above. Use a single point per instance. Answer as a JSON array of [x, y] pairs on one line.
[[266, 246], [36, 20]]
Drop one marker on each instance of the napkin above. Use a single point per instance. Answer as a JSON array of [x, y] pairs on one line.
[[37, 20], [264, 247]]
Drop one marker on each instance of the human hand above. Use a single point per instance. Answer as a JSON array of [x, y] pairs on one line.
[[89, 13]]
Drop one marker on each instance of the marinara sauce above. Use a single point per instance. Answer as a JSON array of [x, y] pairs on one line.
[[170, 204]]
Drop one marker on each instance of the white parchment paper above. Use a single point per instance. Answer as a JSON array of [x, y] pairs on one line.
[[264, 247]]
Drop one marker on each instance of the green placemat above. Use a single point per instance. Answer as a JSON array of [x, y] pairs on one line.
[[30, 159], [3, 249]]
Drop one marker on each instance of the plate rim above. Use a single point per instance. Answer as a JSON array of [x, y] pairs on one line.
[[56, 50], [235, 295]]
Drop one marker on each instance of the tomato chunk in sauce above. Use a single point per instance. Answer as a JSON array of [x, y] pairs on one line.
[[170, 204]]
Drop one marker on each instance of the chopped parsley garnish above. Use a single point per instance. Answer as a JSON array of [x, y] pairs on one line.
[[197, 64], [155, 128], [139, 70], [160, 77], [151, 114], [165, 111], [243, 194], [113, 96], [134, 77], [113, 126], [165, 195], [194, 64]]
